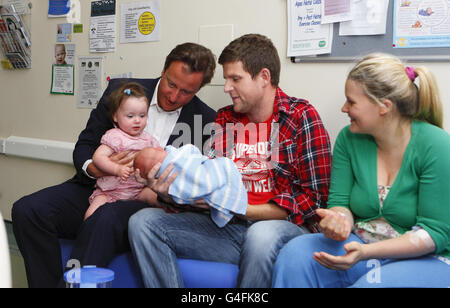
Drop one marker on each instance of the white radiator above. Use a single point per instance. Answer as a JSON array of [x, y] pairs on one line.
[[49, 150]]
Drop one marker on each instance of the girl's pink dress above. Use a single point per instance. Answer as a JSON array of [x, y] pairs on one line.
[[113, 187]]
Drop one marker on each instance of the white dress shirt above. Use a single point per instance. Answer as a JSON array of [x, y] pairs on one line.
[[160, 123]]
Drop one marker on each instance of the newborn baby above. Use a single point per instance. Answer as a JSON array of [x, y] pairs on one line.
[[216, 181], [147, 158]]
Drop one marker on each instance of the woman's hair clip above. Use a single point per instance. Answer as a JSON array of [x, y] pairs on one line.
[[411, 73], [127, 92]]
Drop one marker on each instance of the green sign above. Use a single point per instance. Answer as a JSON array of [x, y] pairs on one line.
[[78, 28]]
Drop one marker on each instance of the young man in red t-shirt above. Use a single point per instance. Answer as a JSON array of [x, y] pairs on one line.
[[283, 152]]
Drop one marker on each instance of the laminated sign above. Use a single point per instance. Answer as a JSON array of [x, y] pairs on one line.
[[140, 22]]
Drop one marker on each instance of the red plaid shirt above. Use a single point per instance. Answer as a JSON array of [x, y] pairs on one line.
[[301, 172]]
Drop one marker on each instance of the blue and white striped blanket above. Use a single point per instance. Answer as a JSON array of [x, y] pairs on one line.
[[217, 181]]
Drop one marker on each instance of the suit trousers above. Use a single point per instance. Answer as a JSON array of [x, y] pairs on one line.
[[42, 218]]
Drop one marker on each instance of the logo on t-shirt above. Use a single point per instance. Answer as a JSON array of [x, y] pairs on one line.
[[251, 155]]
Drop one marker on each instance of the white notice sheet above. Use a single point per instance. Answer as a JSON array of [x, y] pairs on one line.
[[369, 18], [421, 24], [89, 81], [306, 34], [103, 26], [62, 79], [140, 22], [336, 10]]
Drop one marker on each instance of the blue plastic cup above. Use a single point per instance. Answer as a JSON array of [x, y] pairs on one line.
[[89, 277]]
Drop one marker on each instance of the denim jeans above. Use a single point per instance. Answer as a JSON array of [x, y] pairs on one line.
[[296, 268], [157, 239]]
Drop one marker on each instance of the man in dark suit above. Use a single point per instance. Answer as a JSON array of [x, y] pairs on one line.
[[42, 218]]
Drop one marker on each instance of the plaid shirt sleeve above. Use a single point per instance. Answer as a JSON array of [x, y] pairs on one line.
[[302, 178]]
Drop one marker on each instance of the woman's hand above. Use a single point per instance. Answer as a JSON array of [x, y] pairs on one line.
[[161, 185], [354, 255], [334, 225]]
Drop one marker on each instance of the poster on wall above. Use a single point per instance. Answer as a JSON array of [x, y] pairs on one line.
[[306, 34], [336, 11], [102, 36], [64, 54], [64, 33], [369, 18], [421, 23], [62, 79], [140, 22], [89, 81], [58, 8]]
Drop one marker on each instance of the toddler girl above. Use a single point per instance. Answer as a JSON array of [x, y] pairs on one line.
[[128, 108]]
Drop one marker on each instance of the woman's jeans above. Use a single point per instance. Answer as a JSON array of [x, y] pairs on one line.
[[296, 268], [158, 238]]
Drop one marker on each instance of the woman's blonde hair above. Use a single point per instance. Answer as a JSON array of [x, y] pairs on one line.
[[384, 76]]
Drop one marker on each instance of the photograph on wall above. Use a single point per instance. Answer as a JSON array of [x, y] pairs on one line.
[[64, 54], [64, 33]]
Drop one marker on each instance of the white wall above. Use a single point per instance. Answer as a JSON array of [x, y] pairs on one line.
[[27, 109]]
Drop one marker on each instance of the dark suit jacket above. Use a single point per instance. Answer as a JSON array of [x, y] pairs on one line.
[[194, 114]]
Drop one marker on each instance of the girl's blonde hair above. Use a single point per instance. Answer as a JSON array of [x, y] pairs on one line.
[[384, 76]]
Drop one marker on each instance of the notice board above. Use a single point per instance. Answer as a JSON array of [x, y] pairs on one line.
[[350, 48]]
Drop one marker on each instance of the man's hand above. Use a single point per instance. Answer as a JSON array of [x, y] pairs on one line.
[[122, 158], [139, 179], [201, 204], [161, 185]]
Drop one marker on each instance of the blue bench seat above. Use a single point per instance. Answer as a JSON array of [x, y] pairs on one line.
[[196, 273]]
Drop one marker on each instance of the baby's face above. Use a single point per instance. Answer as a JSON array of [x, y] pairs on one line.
[[60, 55], [147, 158], [131, 117]]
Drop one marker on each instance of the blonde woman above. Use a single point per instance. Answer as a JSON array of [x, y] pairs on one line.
[[388, 217]]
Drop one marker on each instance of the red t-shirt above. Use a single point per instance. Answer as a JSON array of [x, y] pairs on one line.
[[251, 156]]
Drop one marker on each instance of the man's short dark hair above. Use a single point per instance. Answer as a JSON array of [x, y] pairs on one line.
[[256, 52], [197, 57]]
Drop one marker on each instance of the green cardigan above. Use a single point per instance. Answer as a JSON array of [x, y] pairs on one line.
[[419, 196]]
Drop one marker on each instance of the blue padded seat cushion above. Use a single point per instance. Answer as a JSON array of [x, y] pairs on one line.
[[196, 273]]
